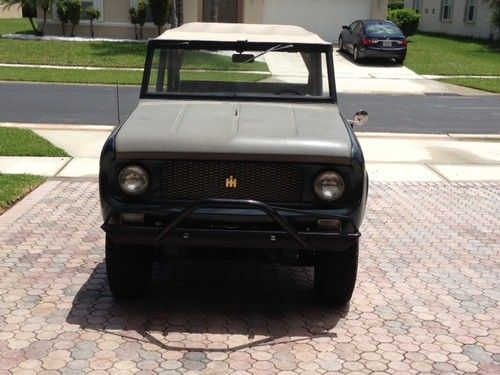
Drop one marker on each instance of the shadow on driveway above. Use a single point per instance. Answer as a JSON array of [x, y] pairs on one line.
[[260, 303]]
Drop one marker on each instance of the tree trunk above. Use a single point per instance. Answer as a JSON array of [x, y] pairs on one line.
[[72, 30], [42, 29], [159, 30], [35, 27], [214, 10], [180, 12], [92, 27], [63, 29], [135, 31], [173, 14], [140, 30]]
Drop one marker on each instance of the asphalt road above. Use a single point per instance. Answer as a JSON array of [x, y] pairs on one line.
[[80, 104]]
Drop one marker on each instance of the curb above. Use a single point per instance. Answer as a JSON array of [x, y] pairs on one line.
[[70, 127]]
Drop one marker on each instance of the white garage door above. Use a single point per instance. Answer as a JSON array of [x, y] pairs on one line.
[[323, 17]]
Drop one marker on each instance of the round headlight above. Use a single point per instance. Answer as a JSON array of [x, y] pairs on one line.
[[133, 180], [329, 186]]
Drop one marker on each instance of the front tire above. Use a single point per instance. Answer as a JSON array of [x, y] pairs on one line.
[[341, 44], [400, 61], [129, 269], [335, 275]]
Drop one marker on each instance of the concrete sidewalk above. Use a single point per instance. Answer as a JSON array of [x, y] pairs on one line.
[[389, 156]]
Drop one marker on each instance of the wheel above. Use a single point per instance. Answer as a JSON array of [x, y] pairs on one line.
[[129, 269], [341, 44], [335, 275], [400, 61], [355, 54]]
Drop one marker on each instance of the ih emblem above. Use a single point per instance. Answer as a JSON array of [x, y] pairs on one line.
[[231, 182]]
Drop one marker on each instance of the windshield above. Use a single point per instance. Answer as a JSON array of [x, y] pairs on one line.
[[383, 29], [272, 72]]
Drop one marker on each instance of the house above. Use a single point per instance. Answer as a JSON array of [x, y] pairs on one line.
[[14, 11], [455, 17], [324, 17]]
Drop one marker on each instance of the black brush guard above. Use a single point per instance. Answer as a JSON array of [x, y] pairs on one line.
[[286, 238]]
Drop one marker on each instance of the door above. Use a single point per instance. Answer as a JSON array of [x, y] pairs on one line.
[[220, 11]]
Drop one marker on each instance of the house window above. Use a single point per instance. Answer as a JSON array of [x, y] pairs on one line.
[[85, 6], [446, 10], [470, 10], [417, 6]]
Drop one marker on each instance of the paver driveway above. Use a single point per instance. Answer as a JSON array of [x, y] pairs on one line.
[[427, 299]]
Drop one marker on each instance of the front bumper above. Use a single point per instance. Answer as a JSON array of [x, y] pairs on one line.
[[184, 229]]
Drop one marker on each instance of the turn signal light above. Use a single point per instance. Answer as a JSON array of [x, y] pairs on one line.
[[132, 218], [329, 225], [404, 43]]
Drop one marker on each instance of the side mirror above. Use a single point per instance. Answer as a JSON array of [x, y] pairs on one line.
[[345, 27], [242, 58], [360, 119]]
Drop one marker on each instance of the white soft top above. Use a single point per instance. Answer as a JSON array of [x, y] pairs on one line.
[[233, 32]]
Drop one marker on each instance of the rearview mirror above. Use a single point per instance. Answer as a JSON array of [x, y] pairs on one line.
[[360, 119], [243, 58]]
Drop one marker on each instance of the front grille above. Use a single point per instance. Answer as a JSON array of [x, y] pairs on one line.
[[266, 182]]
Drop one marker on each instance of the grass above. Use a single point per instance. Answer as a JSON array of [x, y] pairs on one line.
[[15, 26], [120, 77], [23, 142], [452, 55], [485, 84], [14, 187]]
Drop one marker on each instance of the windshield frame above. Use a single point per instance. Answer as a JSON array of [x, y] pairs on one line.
[[245, 46]]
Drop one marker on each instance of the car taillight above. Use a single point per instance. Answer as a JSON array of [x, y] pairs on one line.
[[404, 42], [368, 42]]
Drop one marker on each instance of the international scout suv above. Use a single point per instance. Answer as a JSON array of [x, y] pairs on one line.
[[237, 142]]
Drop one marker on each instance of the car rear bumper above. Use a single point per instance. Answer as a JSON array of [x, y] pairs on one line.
[[385, 53], [272, 229]]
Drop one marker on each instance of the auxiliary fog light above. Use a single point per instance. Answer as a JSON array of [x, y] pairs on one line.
[[328, 225], [132, 218]]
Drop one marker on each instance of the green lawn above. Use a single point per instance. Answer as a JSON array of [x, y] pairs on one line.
[[15, 26], [14, 187], [119, 77], [485, 84], [450, 55], [23, 142]]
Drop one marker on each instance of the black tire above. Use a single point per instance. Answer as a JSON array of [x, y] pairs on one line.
[[400, 61], [129, 269], [355, 54], [341, 44], [335, 275]]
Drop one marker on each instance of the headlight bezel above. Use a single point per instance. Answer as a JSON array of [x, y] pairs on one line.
[[135, 169], [319, 192]]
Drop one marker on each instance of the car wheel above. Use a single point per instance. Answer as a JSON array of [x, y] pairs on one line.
[[341, 44], [335, 275], [400, 61], [355, 54], [129, 269]]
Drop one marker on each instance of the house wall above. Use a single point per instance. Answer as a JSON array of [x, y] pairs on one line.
[[14, 11], [431, 19]]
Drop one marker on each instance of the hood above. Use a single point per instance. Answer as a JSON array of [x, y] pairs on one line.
[[161, 129]]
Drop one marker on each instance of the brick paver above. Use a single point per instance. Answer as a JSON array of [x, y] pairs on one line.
[[427, 298]]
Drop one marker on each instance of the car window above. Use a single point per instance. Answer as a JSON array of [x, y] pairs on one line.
[[359, 28], [383, 29], [212, 72], [353, 25]]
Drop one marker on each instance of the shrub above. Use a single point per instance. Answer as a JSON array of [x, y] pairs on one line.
[[132, 14], [74, 8], [396, 4], [142, 12], [62, 14], [406, 19], [93, 14], [160, 10]]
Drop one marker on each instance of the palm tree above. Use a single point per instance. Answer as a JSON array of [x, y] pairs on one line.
[[26, 4]]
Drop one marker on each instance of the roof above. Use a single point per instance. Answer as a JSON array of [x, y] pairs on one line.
[[233, 32]]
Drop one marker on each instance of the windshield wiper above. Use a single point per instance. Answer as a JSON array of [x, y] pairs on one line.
[[277, 47]]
